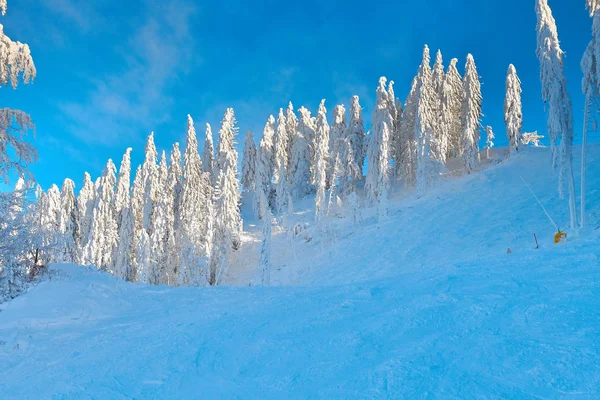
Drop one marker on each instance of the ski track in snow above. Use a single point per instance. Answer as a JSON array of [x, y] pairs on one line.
[[426, 304]]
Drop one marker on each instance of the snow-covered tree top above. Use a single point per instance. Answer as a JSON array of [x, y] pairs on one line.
[[548, 49], [339, 115], [15, 60], [592, 6], [382, 93]]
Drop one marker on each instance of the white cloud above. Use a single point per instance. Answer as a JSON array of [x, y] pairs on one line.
[[135, 99]]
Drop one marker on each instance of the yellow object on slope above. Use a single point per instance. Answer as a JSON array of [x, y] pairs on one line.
[[559, 237]]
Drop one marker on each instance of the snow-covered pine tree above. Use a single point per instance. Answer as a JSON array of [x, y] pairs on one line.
[[69, 224], [15, 63], [173, 197], [174, 181], [264, 169], [301, 156], [265, 251], [378, 172], [137, 214], [208, 156], [451, 108], [440, 138], [356, 136], [123, 184], [428, 157], [291, 127], [103, 236], [85, 205], [280, 146], [143, 256], [123, 259], [337, 145], [322, 158], [228, 158], [249, 164], [489, 140], [471, 116], [336, 186], [407, 156], [513, 116], [558, 102], [191, 236], [159, 243], [307, 128], [150, 180], [590, 69]]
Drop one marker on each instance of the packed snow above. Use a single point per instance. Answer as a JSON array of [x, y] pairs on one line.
[[447, 297]]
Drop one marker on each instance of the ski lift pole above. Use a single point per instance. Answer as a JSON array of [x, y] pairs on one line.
[[541, 205]]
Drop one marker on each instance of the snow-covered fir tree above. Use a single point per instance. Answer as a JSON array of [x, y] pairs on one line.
[[337, 143], [489, 140], [301, 156], [322, 158], [307, 128], [137, 214], [557, 100], [440, 137], [265, 251], [378, 172], [264, 169], [123, 259], [249, 164], [103, 236], [123, 184], [356, 135], [228, 157], [406, 166], [513, 115], [160, 245], [69, 224], [451, 108], [280, 147], [208, 156], [471, 116], [291, 127], [174, 182], [85, 205], [172, 195], [150, 181]]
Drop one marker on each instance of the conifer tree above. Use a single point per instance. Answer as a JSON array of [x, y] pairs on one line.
[[489, 141], [301, 157], [208, 156], [264, 169], [265, 251], [440, 138], [123, 184], [85, 205], [291, 127], [123, 259], [280, 148], [407, 164], [558, 102], [513, 116], [356, 136], [103, 236], [69, 223], [150, 180], [322, 157], [137, 216], [306, 128], [173, 197], [249, 164], [174, 183], [159, 240], [337, 142], [230, 191], [471, 116], [451, 108]]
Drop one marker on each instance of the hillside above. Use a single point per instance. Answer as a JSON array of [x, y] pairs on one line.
[[425, 304]]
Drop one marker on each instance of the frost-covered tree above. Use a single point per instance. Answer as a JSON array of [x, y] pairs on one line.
[[557, 100], [249, 164], [337, 141], [356, 135], [228, 158], [174, 182], [143, 256], [103, 235], [85, 205], [513, 116], [264, 169], [322, 158], [265, 251], [441, 140], [291, 127], [173, 190], [378, 172], [451, 108], [151, 182], [301, 156], [69, 224], [137, 214], [336, 187], [489, 140], [307, 129], [280, 146], [428, 150], [160, 245], [123, 259], [471, 116], [15, 64], [407, 156], [208, 156], [123, 184], [191, 235]]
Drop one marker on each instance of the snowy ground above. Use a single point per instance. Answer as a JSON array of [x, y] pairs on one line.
[[426, 304]]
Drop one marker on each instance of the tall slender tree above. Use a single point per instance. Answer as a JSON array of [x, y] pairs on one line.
[[471, 116], [208, 156], [322, 158], [280, 147], [69, 223], [513, 115], [249, 164], [265, 251], [558, 102], [264, 169], [407, 157], [356, 136], [301, 156], [451, 107], [291, 127], [85, 205]]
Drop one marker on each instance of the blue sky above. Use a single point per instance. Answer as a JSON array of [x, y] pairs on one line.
[[110, 71]]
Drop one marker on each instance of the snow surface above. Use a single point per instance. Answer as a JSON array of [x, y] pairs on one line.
[[426, 304]]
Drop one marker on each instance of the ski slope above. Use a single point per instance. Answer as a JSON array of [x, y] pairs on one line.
[[427, 303]]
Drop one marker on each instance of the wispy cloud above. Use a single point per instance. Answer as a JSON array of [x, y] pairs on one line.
[[137, 98]]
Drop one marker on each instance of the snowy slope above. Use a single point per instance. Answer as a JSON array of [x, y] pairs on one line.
[[427, 304]]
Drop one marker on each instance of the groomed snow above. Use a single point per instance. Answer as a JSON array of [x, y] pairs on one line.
[[426, 304]]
